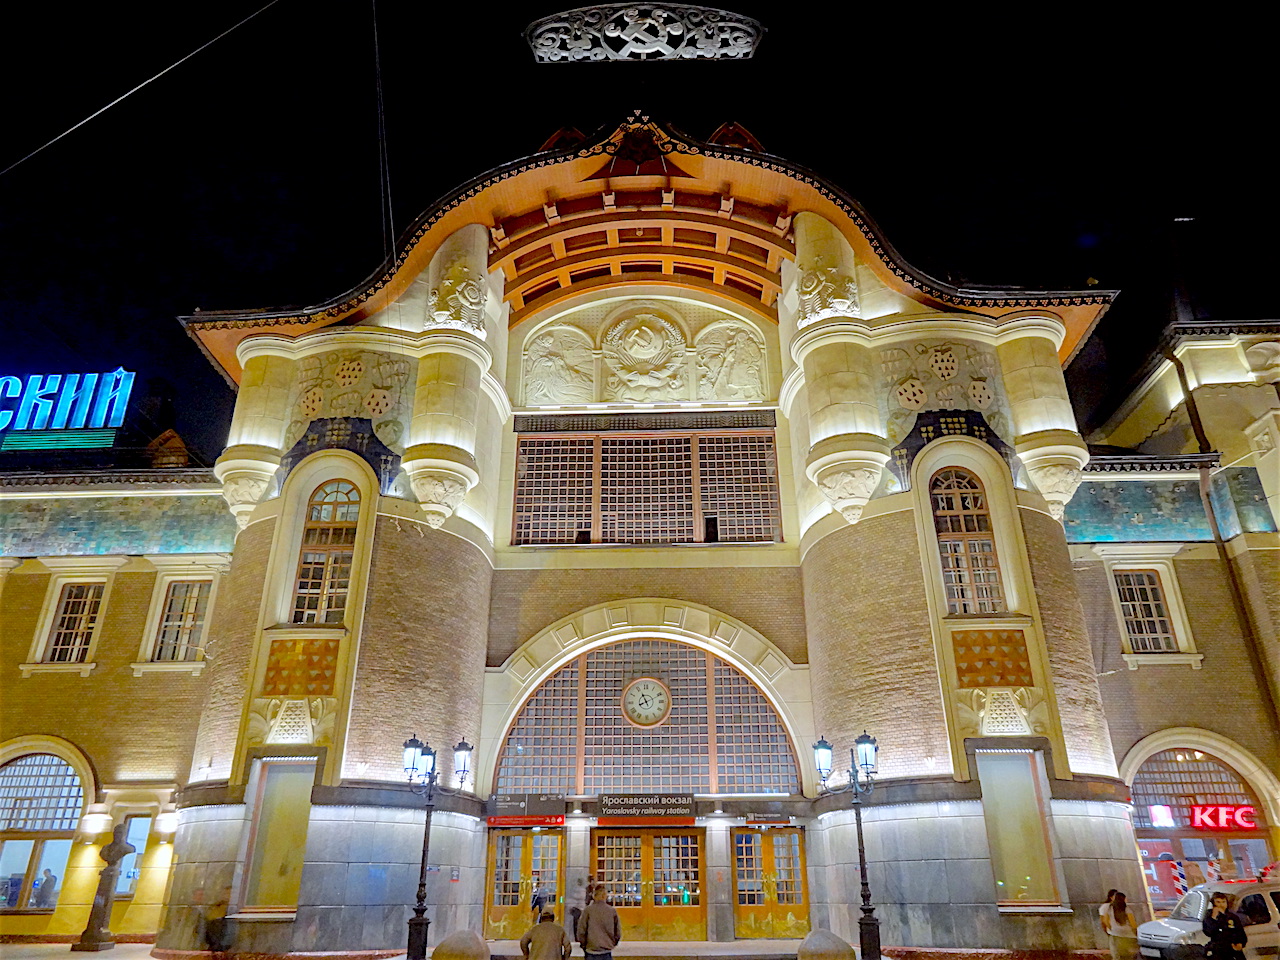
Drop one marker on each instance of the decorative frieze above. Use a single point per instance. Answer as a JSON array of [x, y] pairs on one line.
[[625, 31]]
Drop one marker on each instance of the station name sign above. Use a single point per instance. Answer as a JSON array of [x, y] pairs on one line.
[[1223, 816], [622, 809], [65, 401]]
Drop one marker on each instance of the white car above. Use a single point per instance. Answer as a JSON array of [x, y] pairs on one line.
[[1179, 936]]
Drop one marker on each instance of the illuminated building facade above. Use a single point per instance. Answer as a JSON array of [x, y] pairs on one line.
[[644, 464]]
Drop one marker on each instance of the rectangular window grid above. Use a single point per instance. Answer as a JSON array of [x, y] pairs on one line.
[[182, 621], [618, 868], [324, 575], [542, 748], [506, 869], [647, 488], [1183, 777], [786, 868], [676, 871], [621, 758], [753, 751], [39, 792], [750, 862], [970, 570], [73, 624], [546, 863], [1146, 615]]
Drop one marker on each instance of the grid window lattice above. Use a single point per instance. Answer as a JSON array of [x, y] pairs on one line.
[[546, 863], [182, 623], [39, 792], [966, 543], [1181, 777], [506, 869], [673, 756], [750, 862], [754, 753], [646, 490], [543, 753], [324, 567], [786, 867], [554, 489], [1146, 615], [618, 868], [542, 747], [737, 478], [77, 615], [676, 871]]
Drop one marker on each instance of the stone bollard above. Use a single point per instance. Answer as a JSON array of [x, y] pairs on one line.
[[824, 945], [463, 945]]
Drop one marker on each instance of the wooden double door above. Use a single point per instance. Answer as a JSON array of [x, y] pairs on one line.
[[654, 877], [770, 896], [521, 861]]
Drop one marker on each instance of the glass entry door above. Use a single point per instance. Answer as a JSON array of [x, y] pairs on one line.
[[769, 886], [519, 862], [654, 879]]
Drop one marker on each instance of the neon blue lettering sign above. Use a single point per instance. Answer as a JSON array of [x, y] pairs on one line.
[[59, 401]]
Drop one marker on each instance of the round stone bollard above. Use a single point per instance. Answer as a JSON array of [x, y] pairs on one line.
[[824, 945], [463, 945]]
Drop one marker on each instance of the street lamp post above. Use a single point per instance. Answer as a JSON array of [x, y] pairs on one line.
[[420, 768], [862, 757]]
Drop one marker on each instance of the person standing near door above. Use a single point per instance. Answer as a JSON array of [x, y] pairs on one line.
[[575, 901], [547, 940], [599, 929], [1119, 922]]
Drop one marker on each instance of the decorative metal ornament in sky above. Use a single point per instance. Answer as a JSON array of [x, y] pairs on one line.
[[63, 409], [625, 31]]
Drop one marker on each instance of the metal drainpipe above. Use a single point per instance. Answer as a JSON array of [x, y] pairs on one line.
[[1233, 577]]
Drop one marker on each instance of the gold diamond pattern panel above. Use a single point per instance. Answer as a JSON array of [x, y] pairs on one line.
[[992, 658], [301, 668]]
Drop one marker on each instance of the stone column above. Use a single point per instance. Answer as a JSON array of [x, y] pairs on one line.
[[440, 455], [254, 445], [847, 445], [1045, 435]]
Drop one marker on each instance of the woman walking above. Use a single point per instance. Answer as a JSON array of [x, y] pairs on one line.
[[1122, 927]]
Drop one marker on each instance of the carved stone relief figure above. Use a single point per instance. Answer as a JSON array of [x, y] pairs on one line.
[[289, 720], [559, 368], [645, 354], [826, 292], [946, 375], [730, 363], [458, 300]]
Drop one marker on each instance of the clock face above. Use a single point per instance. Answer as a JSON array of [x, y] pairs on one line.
[[646, 702]]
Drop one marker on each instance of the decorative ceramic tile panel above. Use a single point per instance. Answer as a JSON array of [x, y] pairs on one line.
[[301, 668], [100, 526], [992, 658]]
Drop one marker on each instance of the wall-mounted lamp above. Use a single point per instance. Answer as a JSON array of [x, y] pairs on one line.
[[96, 820], [166, 822]]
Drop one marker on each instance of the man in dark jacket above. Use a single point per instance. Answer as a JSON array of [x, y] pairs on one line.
[[599, 929], [1225, 930]]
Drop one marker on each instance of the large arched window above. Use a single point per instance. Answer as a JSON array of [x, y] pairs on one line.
[[966, 542], [41, 799], [328, 546], [707, 729]]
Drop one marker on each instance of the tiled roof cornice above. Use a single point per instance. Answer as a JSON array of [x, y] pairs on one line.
[[1141, 463], [155, 478]]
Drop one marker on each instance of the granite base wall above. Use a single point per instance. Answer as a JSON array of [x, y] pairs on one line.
[[929, 868], [359, 880]]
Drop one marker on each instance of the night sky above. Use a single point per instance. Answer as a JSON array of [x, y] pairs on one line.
[[989, 150]]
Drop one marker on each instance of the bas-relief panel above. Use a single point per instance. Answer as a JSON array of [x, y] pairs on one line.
[[940, 375], [353, 383], [1137, 511], [645, 357], [97, 526]]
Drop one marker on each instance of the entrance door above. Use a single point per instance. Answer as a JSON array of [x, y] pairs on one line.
[[769, 883], [519, 861], [654, 879]]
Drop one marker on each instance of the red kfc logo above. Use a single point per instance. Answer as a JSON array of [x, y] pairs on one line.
[[1222, 816]]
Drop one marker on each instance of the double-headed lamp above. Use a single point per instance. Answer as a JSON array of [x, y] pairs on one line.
[[419, 759], [822, 758], [866, 749], [462, 761]]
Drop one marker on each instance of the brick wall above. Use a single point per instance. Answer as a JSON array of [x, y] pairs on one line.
[[231, 636], [871, 647], [1259, 573], [131, 728], [1084, 725], [1220, 697], [422, 647], [768, 599]]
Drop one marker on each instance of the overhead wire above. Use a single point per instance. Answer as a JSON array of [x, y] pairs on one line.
[[384, 160], [144, 83]]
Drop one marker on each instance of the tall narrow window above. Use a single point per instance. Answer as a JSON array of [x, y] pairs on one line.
[[41, 799], [1146, 615], [181, 629], [966, 542], [73, 624], [328, 545]]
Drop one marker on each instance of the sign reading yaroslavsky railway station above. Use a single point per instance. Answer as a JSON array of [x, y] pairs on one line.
[[634, 809]]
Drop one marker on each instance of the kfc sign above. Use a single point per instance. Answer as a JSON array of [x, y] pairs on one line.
[[1222, 816]]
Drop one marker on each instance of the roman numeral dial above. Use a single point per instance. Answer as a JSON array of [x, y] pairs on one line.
[[646, 701]]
